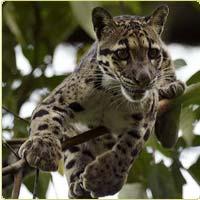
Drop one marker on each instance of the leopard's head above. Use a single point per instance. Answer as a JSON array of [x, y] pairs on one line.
[[130, 50]]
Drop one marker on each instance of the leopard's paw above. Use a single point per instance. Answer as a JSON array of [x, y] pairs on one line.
[[76, 191], [173, 90], [43, 152], [103, 177]]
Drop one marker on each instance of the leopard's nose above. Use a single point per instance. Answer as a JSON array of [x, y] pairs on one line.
[[143, 79]]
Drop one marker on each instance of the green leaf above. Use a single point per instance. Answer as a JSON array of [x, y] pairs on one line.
[[81, 51], [153, 142], [133, 191], [161, 182], [197, 112], [5, 153], [9, 73], [43, 184], [180, 144], [139, 170], [196, 141], [187, 124], [195, 78], [190, 96], [194, 171], [134, 7], [84, 17], [39, 27], [27, 87], [20, 129], [178, 63], [11, 17], [179, 180]]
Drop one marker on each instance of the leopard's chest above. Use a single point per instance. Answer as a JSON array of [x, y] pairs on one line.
[[117, 116]]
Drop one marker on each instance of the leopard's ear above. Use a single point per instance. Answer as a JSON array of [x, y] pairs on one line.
[[158, 18], [102, 21]]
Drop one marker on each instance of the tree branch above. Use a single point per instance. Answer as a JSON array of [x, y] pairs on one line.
[[11, 149], [15, 115], [13, 168], [84, 137], [8, 180], [17, 184]]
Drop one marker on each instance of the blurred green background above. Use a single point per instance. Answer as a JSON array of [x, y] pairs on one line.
[[36, 29]]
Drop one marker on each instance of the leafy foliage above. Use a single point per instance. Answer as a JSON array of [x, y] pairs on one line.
[[43, 183], [194, 170], [39, 27]]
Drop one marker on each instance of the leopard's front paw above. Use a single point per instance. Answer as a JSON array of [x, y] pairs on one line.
[[180, 88], [103, 176], [43, 152], [173, 90]]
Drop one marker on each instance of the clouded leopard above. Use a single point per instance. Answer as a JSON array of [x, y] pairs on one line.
[[117, 84]]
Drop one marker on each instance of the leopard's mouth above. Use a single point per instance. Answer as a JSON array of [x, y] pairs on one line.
[[133, 94]]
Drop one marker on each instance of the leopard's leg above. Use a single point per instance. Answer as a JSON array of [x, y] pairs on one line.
[[43, 148], [49, 120], [108, 172], [78, 157]]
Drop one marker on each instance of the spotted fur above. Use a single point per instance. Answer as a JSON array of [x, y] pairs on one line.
[[117, 84]]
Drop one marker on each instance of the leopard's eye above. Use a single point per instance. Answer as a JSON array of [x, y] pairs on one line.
[[122, 54], [153, 53]]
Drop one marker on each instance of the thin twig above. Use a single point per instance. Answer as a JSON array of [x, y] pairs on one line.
[[11, 149], [17, 184], [17, 116], [70, 141], [16, 141], [35, 188]]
